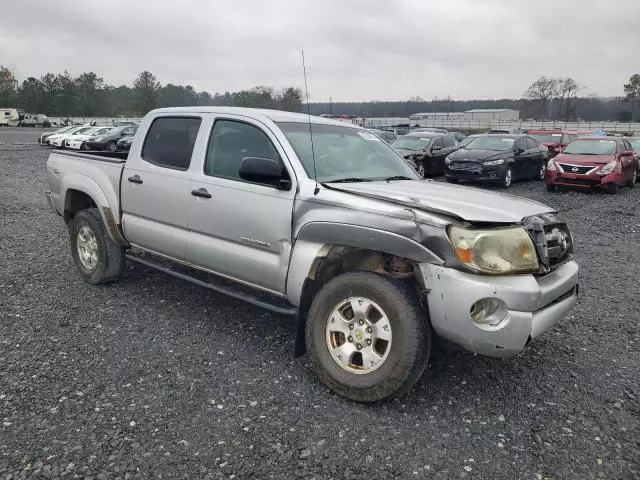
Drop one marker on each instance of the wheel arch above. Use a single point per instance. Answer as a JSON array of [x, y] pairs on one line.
[[324, 250]]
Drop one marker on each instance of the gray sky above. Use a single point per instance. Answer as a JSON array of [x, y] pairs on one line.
[[355, 49]]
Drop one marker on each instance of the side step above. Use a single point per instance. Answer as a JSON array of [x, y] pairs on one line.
[[265, 301]]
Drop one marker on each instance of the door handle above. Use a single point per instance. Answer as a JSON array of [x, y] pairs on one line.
[[201, 192], [135, 179]]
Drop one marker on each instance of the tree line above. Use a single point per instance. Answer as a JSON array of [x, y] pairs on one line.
[[88, 95]]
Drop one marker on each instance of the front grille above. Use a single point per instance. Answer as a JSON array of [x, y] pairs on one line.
[[465, 167], [552, 239], [579, 169]]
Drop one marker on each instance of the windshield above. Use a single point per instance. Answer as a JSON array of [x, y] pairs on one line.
[[101, 131], [636, 145], [63, 130], [547, 137], [83, 130], [491, 142], [467, 141], [411, 143], [591, 147], [344, 152]]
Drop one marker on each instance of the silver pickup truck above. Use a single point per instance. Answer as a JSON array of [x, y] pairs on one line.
[[323, 220]]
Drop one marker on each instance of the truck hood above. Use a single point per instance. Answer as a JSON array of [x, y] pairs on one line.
[[465, 203]]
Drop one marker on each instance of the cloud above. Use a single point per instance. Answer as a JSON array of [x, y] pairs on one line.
[[355, 50]]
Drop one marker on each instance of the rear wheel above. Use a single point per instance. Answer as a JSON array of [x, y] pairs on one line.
[[367, 337], [98, 259]]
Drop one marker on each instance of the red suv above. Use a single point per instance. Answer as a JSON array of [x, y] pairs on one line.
[[554, 140], [593, 162]]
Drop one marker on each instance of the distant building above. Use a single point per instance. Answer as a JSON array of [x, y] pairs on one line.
[[489, 114], [437, 116]]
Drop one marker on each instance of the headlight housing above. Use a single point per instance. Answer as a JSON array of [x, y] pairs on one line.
[[448, 160], [497, 251], [551, 165], [97, 139], [500, 161], [608, 168]]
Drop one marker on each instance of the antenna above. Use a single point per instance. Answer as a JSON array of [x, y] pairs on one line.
[[313, 153]]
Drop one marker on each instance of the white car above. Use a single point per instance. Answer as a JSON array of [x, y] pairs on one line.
[[59, 139], [77, 142]]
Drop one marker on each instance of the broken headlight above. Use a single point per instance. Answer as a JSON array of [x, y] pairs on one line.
[[496, 251]]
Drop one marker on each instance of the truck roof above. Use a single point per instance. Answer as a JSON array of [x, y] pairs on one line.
[[257, 113]]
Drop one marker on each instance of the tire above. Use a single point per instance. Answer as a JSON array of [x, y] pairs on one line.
[[452, 180], [108, 262], [541, 172], [612, 188], [112, 146], [83, 146], [632, 182], [406, 354], [508, 178], [420, 168], [551, 188]]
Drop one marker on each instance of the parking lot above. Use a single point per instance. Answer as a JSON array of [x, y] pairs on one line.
[[154, 377]]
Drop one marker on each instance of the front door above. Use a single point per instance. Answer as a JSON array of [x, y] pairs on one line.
[[155, 188], [243, 230]]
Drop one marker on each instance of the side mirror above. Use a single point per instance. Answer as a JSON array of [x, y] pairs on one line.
[[263, 170], [436, 148]]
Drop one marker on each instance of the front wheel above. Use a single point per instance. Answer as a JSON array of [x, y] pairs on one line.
[[541, 172], [508, 178], [632, 182], [111, 146], [551, 188], [367, 337], [97, 257]]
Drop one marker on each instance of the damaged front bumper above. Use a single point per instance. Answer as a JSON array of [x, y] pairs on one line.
[[533, 305]]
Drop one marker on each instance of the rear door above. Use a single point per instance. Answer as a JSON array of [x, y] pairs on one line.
[[155, 187], [241, 229], [537, 157], [521, 167]]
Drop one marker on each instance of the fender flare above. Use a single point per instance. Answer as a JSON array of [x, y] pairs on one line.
[[90, 188]]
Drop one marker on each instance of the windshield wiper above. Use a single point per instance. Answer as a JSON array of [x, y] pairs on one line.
[[397, 177], [349, 180]]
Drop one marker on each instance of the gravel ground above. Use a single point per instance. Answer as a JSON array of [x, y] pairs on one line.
[[154, 377]]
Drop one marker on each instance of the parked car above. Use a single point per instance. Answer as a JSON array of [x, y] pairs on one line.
[[458, 136], [109, 142], [429, 129], [635, 144], [58, 140], [554, 140], [512, 131], [499, 159], [124, 143], [372, 262], [79, 142], [386, 135], [467, 140], [427, 149], [43, 138], [123, 123], [594, 162]]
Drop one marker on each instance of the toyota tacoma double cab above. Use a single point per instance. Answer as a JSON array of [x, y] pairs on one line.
[[323, 220]]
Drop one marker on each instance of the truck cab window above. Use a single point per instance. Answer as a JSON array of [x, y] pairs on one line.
[[170, 142], [230, 143]]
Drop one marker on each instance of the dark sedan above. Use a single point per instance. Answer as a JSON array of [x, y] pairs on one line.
[[427, 149], [124, 144], [499, 159], [109, 142]]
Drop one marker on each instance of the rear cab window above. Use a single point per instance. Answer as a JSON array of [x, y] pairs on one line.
[[170, 140]]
